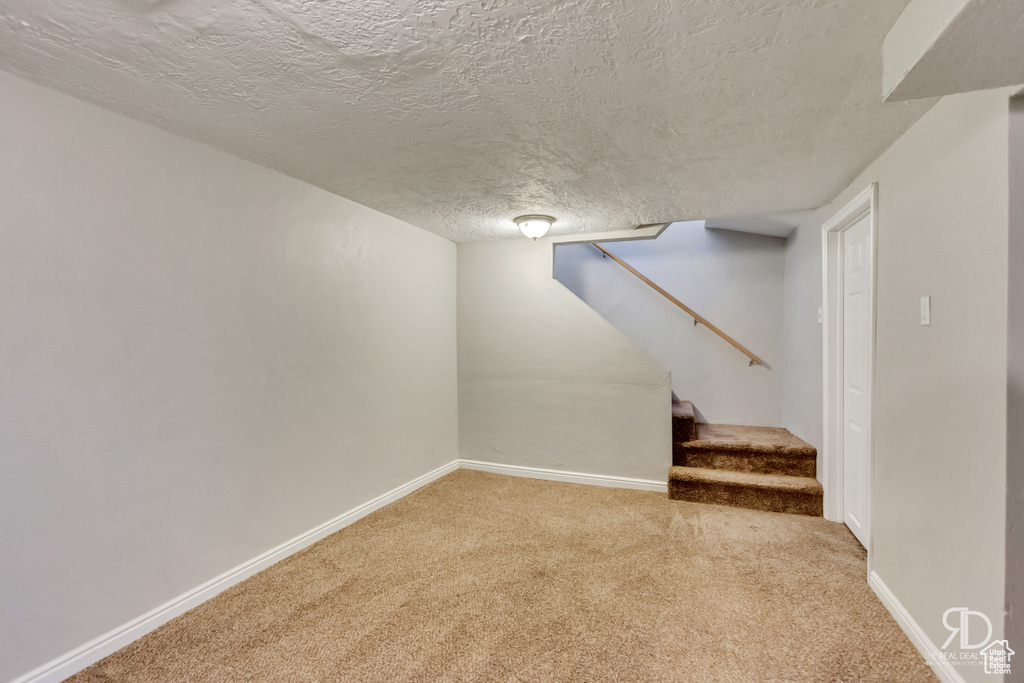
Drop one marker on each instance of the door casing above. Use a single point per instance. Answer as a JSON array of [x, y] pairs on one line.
[[864, 204]]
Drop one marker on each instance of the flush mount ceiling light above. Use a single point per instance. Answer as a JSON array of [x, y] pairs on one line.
[[534, 226]]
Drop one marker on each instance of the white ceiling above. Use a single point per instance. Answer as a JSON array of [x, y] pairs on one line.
[[457, 115]]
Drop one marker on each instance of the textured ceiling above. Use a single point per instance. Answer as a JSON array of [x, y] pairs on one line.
[[458, 115]]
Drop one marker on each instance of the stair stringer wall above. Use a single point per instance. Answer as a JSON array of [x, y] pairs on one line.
[[733, 279]]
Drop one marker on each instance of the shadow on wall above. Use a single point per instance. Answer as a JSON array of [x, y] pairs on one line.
[[1014, 622], [733, 279]]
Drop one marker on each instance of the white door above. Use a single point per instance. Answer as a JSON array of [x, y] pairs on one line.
[[856, 377]]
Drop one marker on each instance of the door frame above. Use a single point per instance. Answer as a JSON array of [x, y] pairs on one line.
[[863, 205]]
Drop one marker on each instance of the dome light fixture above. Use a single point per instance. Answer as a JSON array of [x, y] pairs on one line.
[[533, 225]]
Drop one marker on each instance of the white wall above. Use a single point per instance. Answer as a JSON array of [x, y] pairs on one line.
[[940, 392], [802, 342], [544, 381], [201, 359], [733, 279]]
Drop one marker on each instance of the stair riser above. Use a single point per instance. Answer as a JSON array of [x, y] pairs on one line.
[[760, 463], [792, 502], [684, 421], [683, 429]]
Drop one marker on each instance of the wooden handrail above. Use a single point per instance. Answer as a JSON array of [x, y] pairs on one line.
[[697, 317]]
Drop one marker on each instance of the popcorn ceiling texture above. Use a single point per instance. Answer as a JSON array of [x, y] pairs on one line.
[[458, 115]]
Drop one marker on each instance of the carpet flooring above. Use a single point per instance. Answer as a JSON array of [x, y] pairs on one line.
[[482, 577]]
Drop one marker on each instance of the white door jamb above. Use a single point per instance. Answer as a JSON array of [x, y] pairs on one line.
[[864, 204]]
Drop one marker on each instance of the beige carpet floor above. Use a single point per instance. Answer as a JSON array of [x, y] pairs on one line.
[[482, 577]]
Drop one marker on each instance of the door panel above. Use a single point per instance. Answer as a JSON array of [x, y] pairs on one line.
[[856, 377]]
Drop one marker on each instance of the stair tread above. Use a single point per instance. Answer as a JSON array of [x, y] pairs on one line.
[[753, 439], [775, 482], [682, 408]]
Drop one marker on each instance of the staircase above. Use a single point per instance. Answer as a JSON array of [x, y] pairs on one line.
[[764, 468]]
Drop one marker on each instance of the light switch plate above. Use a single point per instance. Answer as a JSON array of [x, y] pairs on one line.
[[926, 310]]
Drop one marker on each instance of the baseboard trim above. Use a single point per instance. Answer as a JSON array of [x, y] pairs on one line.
[[74, 661], [71, 663], [932, 654], [571, 477]]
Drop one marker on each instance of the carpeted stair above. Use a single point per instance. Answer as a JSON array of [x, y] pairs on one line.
[[765, 468]]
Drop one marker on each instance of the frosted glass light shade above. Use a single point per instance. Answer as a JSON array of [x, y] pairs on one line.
[[534, 226]]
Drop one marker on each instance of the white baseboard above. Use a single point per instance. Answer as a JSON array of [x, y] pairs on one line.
[[98, 648], [71, 663], [932, 654], [571, 477]]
